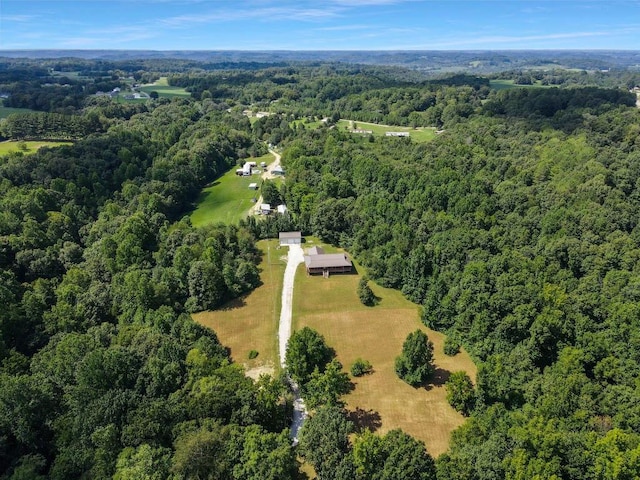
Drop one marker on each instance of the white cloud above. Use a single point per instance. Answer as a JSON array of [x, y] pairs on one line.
[[18, 18], [239, 14]]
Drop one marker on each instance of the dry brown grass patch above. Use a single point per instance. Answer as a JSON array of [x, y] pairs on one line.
[[251, 322], [381, 400]]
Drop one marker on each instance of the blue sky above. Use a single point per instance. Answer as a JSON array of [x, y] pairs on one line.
[[319, 24]]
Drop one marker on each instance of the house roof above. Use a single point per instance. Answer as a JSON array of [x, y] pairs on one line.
[[327, 260], [282, 235], [315, 251]]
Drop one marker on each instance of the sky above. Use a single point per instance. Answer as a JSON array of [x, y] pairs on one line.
[[319, 24]]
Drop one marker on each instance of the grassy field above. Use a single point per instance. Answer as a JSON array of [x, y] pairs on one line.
[[422, 134], [505, 84], [6, 111], [307, 124], [251, 323], [164, 90], [380, 400], [32, 147], [229, 198]]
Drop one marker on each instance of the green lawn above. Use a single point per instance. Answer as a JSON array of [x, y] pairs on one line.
[[228, 199], [421, 134], [505, 84], [164, 90], [32, 147], [307, 124]]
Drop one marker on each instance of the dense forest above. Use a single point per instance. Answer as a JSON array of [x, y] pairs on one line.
[[515, 229]]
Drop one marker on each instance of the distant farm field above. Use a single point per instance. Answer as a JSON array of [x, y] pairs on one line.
[[164, 90], [421, 134], [331, 306], [251, 322], [506, 84], [31, 147], [6, 111], [229, 198]]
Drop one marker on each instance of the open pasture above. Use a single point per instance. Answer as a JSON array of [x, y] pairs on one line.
[[380, 400], [228, 198], [27, 147], [421, 134], [164, 89]]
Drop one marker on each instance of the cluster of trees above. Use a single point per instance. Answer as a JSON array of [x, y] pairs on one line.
[[327, 439], [519, 239], [103, 373], [311, 363], [596, 76], [325, 443]]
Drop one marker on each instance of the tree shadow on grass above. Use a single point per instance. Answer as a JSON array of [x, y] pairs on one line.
[[202, 195], [365, 419], [234, 304], [439, 378]]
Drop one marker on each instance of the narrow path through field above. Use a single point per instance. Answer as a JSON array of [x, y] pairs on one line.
[[294, 258]]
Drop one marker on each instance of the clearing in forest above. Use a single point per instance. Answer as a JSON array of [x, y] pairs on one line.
[[331, 306], [420, 134], [164, 89], [27, 147], [380, 400], [251, 322], [228, 198], [6, 111]]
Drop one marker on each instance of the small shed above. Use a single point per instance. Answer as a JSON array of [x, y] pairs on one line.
[[290, 238], [277, 171], [265, 208], [281, 209], [253, 186]]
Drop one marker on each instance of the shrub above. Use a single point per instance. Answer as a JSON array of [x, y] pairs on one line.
[[360, 367], [253, 354], [366, 295]]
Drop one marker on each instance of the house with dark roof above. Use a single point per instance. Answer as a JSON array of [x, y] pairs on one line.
[[318, 262]]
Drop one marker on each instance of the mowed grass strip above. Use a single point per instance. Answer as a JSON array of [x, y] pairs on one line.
[[420, 134], [31, 147], [164, 89], [229, 198], [380, 400], [251, 322]]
